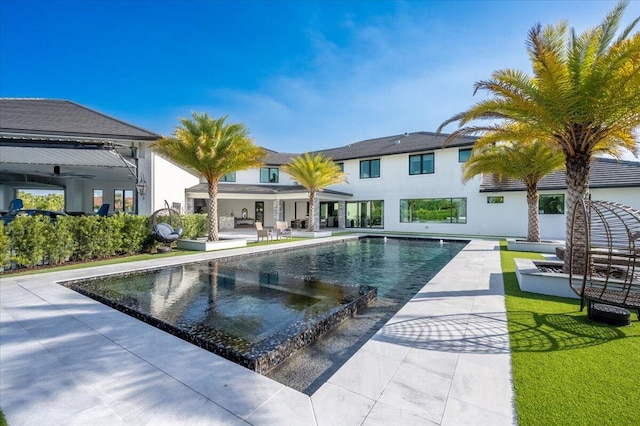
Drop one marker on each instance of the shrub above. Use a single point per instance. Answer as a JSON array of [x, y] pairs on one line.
[[28, 238], [194, 225], [59, 243], [4, 247]]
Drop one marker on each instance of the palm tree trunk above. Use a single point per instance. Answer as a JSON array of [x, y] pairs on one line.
[[213, 211], [577, 190], [312, 211], [533, 228]]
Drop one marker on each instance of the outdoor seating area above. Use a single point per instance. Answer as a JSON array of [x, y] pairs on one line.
[[263, 234], [610, 256]]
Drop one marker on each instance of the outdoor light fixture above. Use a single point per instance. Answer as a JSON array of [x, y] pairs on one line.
[[141, 185]]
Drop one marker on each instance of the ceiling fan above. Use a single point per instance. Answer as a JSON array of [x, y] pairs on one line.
[[58, 173]]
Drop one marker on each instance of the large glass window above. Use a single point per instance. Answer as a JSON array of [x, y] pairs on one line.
[[365, 214], [421, 164], [229, 177], [434, 210], [464, 154], [42, 199], [98, 199], [269, 175], [370, 169], [551, 204], [123, 200]]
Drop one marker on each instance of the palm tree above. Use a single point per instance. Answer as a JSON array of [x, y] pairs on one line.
[[314, 173], [213, 149], [583, 99], [528, 162]]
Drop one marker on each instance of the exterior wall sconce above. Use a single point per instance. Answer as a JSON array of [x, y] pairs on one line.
[[141, 186]]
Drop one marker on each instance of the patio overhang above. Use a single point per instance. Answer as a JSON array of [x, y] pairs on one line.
[[88, 163], [232, 191]]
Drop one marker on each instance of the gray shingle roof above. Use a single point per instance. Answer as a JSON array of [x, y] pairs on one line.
[[604, 173], [54, 117], [237, 188], [397, 144], [278, 158]]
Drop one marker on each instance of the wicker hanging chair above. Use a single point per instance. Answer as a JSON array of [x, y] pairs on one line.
[[608, 259], [165, 225]]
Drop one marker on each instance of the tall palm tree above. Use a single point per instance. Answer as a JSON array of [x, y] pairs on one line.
[[528, 162], [582, 98], [314, 173], [213, 149]]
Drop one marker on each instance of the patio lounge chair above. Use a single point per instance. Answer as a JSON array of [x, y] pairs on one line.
[[15, 204], [103, 210], [282, 229], [263, 233]]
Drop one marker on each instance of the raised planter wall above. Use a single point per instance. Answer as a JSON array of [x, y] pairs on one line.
[[531, 279], [541, 247]]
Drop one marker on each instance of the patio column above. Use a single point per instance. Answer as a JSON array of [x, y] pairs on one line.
[[316, 214], [188, 207], [342, 208], [276, 210]]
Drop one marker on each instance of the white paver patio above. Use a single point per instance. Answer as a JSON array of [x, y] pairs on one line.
[[443, 359]]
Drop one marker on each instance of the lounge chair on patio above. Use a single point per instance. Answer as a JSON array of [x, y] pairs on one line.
[[103, 210], [282, 229], [263, 233]]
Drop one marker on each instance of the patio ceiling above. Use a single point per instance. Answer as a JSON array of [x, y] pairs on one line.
[[61, 163]]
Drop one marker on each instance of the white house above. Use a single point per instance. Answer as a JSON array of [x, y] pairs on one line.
[[401, 183], [395, 183]]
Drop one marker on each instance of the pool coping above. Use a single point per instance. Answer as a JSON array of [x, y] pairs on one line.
[[442, 359]]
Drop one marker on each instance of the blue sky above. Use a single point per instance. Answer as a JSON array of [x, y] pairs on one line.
[[301, 75]]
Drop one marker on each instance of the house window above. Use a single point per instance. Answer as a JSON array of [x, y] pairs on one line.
[[434, 210], [269, 175], [123, 200], [98, 199], [365, 214], [341, 165], [370, 169], [421, 164], [495, 200], [464, 154], [229, 177], [551, 204]]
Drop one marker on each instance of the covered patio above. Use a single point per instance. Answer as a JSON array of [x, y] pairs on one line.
[[58, 145], [241, 205]]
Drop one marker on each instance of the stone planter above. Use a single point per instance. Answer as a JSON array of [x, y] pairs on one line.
[[545, 246], [531, 279], [307, 234], [203, 245]]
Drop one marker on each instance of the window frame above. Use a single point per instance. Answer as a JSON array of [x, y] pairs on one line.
[[126, 194], [269, 171], [229, 177], [560, 209], [369, 167], [423, 169], [459, 204], [467, 152]]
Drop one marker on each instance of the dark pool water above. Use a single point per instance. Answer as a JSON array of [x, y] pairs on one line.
[[253, 304]]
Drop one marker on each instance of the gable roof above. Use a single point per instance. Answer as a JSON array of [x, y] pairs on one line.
[[397, 144], [603, 173], [51, 119]]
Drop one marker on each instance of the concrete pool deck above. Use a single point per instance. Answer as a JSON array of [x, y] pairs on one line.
[[443, 359]]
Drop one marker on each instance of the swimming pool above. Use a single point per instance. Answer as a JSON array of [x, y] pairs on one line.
[[259, 309]]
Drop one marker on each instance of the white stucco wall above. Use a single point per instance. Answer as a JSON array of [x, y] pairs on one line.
[[169, 183]]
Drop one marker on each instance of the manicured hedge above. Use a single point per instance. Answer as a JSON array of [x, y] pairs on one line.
[[27, 241]]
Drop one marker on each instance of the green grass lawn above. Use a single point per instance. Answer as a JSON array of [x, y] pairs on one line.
[[568, 370]]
